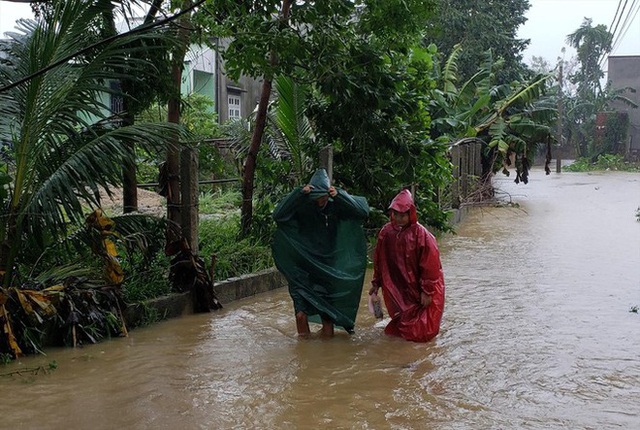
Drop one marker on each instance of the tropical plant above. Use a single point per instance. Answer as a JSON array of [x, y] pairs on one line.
[[198, 117], [58, 144], [592, 45], [511, 119]]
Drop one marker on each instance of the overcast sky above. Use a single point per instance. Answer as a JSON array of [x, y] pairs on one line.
[[548, 24], [550, 21]]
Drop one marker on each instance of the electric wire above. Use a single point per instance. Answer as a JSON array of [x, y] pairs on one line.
[[617, 37]]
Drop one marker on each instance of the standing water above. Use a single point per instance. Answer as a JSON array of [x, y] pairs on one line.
[[538, 332]]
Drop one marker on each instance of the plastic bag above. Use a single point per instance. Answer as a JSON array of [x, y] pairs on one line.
[[375, 306]]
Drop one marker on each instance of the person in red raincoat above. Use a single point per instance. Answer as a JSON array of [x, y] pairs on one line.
[[406, 265]]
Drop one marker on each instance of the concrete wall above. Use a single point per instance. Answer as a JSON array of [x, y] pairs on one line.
[[624, 72], [227, 291]]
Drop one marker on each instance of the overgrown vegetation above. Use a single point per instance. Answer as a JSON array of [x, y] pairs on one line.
[[612, 162]]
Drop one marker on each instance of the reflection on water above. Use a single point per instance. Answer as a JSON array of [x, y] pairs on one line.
[[537, 333]]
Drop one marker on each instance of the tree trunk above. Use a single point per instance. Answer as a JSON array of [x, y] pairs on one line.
[[129, 181], [248, 172], [173, 115]]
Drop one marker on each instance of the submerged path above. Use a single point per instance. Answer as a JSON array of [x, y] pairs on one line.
[[537, 333]]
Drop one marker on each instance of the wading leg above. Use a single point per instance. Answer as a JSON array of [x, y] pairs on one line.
[[327, 327], [302, 324]]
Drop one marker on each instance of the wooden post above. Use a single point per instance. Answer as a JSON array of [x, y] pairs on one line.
[[464, 171], [455, 185], [326, 161], [190, 193], [477, 168], [559, 131]]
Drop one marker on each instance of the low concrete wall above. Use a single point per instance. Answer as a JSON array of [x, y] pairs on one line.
[[227, 291]]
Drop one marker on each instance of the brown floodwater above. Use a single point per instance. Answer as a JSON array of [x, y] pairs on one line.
[[538, 332]]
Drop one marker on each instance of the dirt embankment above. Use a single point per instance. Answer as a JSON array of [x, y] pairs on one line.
[[149, 202]]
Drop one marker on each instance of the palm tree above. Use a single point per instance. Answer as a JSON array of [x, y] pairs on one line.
[[592, 44], [59, 145]]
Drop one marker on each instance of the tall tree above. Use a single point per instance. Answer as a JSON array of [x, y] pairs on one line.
[[592, 44], [478, 26], [271, 38]]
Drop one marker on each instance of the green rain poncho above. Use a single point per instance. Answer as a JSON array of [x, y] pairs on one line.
[[322, 252]]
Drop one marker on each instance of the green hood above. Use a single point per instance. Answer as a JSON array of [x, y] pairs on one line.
[[320, 182]]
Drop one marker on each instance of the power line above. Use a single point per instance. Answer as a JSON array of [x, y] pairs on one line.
[[615, 35], [627, 23], [611, 27]]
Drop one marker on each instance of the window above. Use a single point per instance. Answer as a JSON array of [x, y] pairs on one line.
[[234, 106], [117, 102]]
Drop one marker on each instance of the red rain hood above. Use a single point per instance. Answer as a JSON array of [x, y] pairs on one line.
[[403, 202]]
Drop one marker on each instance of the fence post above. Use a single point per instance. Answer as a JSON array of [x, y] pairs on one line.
[[190, 194], [326, 160], [477, 168], [455, 185], [464, 171]]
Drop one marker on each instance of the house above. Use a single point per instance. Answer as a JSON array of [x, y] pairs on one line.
[[204, 74], [234, 99], [624, 74]]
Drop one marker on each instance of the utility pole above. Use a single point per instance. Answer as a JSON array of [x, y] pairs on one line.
[[559, 131]]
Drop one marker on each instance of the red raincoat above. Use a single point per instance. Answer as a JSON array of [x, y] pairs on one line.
[[406, 262]]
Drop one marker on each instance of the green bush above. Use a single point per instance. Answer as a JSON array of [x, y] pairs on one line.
[[234, 257], [145, 278], [604, 162]]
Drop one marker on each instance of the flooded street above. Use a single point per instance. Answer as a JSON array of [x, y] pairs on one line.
[[537, 333]]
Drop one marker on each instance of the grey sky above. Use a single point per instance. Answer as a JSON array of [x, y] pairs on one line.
[[548, 24], [550, 21]]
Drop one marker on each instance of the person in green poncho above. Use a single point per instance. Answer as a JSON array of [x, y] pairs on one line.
[[320, 248]]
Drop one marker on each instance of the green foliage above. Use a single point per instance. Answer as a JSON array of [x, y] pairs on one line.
[[615, 135], [59, 159], [512, 119], [220, 201], [592, 44], [199, 118], [219, 237], [145, 278], [604, 162], [478, 26]]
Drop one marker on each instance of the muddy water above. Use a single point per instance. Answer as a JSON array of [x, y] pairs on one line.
[[537, 333]]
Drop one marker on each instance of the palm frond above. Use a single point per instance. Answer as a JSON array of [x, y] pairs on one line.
[[62, 148]]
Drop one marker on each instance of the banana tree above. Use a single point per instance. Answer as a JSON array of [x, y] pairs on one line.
[[511, 119]]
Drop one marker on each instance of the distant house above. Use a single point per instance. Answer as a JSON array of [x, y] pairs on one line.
[[204, 74], [234, 99], [624, 73]]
